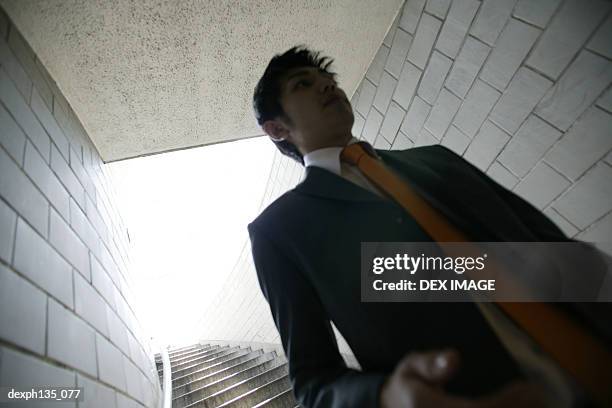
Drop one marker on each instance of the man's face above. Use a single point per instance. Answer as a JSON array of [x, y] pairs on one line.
[[314, 123]]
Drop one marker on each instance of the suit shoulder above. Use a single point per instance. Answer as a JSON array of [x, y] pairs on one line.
[[435, 149], [274, 212], [419, 150], [429, 154]]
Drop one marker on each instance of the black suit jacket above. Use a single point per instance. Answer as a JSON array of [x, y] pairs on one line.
[[306, 249]]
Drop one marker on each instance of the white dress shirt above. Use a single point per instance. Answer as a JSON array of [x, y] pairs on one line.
[[328, 158]]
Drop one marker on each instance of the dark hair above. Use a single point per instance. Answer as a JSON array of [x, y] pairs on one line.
[[266, 98]]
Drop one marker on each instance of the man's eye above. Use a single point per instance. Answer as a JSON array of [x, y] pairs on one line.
[[302, 81]]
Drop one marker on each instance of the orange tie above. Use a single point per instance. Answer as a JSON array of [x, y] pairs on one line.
[[577, 351]]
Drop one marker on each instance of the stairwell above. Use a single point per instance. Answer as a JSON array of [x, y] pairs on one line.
[[218, 375]]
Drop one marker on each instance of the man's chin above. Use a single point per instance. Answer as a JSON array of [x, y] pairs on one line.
[[346, 136], [343, 121]]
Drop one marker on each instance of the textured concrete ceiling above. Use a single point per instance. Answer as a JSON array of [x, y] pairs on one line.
[[152, 76]]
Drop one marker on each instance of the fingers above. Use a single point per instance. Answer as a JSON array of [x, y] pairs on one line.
[[420, 375], [432, 367], [515, 394]]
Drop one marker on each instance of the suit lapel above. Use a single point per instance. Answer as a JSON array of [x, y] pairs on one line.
[[425, 180], [421, 177], [323, 183], [430, 185], [446, 197]]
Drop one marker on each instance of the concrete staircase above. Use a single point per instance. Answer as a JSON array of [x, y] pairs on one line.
[[218, 375]]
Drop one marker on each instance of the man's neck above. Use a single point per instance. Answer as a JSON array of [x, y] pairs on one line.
[[347, 139]]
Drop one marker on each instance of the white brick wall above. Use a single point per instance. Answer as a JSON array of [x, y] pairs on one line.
[[67, 313], [513, 45], [566, 34], [442, 114], [518, 100], [583, 82], [493, 81], [476, 107], [423, 41], [407, 84], [466, 66], [22, 370], [433, 78]]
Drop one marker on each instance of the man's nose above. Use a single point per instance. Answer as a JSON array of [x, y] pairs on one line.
[[327, 85]]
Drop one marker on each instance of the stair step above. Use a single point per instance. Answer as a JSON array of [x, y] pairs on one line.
[[181, 359], [190, 377], [224, 376], [259, 394], [192, 354], [213, 359], [236, 365], [212, 354], [283, 400], [206, 357], [225, 383], [250, 391], [196, 360], [175, 355], [183, 349]]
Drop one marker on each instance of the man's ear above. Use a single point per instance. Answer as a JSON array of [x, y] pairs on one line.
[[276, 130]]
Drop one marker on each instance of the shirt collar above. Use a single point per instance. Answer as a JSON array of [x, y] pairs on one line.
[[327, 158]]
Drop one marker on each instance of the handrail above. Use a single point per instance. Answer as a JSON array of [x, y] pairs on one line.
[[167, 386]]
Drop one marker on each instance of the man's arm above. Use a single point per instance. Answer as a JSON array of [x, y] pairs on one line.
[[317, 371]]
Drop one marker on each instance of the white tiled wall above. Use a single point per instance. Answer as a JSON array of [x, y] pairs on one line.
[[67, 315], [520, 88]]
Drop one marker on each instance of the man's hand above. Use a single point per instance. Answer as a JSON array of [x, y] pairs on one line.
[[418, 380]]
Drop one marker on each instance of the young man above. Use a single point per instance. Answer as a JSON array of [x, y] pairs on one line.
[[306, 249]]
